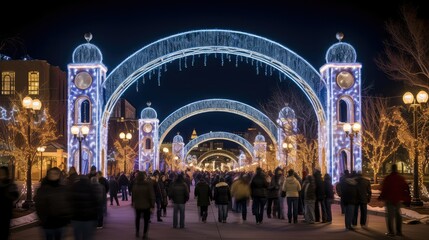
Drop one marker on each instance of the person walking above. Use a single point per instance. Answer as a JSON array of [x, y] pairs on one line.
[[100, 193], [240, 191], [8, 195], [222, 197], [84, 203], [394, 192], [158, 188], [349, 197], [329, 196], [143, 201], [273, 191], [292, 187], [52, 205], [319, 208], [258, 187], [113, 190], [124, 183], [309, 188], [364, 197], [179, 194], [203, 194]]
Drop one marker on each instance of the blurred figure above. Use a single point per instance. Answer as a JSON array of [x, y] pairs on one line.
[[240, 191], [178, 192], [52, 205], [309, 189], [143, 201], [72, 176], [222, 197], [105, 183], [364, 197], [329, 196], [292, 187], [84, 204], [165, 182], [113, 190], [124, 183], [100, 194], [394, 191], [8, 195], [158, 187], [349, 197], [319, 207], [203, 194], [258, 187], [273, 195]]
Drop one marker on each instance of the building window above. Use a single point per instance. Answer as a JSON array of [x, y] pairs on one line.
[[7, 83], [33, 83]]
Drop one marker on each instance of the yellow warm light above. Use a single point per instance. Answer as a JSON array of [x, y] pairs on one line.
[[85, 130], [36, 104], [356, 127], [347, 127], [422, 97], [165, 150], [122, 135], [128, 136], [74, 130], [27, 102], [408, 98]]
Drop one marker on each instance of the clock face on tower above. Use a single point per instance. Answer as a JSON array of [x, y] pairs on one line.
[[345, 80], [147, 127], [83, 80]]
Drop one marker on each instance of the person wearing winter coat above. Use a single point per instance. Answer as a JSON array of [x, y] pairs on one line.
[[8, 195], [113, 190], [240, 191], [222, 197], [258, 187], [329, 196], [309, 188], [292, 187], [203, 194], [349, 197], [394, 192], [52, 205], [179, 194], [364, 197], [143, 202]]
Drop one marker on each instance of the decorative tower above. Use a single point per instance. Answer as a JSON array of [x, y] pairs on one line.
[[85, 78], [343, 77], [260, 148], [287, 137], [194, 135], [178, 147], [148, 139]]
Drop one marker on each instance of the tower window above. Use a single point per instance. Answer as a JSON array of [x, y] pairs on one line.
[[148, 144], [345, 109], [84, 111], [7, 83]]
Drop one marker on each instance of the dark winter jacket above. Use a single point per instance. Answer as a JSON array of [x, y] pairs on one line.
[[53, 204], [178, 191], [203, 193], [259, 185], [222, 193], [84, 200], [364, 189], [349, 191], [143, 194]]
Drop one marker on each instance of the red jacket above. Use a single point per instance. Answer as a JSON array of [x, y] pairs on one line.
[[395, 189]]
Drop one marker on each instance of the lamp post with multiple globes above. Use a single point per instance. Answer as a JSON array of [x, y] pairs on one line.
[[125, 137], [415, 104], [351, 130], [41, 150], [80, 133]]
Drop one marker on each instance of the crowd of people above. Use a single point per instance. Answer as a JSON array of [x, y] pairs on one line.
[[81, 200]]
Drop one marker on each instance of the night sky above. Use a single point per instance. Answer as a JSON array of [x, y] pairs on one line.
[[120, 28]]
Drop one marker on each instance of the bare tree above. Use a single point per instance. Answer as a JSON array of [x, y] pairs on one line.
[[125, 155], [406, 51]]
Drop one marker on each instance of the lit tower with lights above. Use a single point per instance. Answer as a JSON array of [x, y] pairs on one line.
[[286, 134], [148, 139], [86, 74], [343, 77], [260, 149], [178, 147]]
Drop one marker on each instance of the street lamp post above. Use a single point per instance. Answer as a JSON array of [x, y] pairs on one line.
[[80, 133], [41, 150], [415, 105], [32, 106], [126, 138], [165, 151], [351, 130], [287, 148]]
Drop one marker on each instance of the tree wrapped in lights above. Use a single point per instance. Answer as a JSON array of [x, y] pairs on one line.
[[125, 154], [380, 135], [24, 147]]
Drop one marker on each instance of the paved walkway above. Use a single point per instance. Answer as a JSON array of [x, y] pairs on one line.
[[119, 224]]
